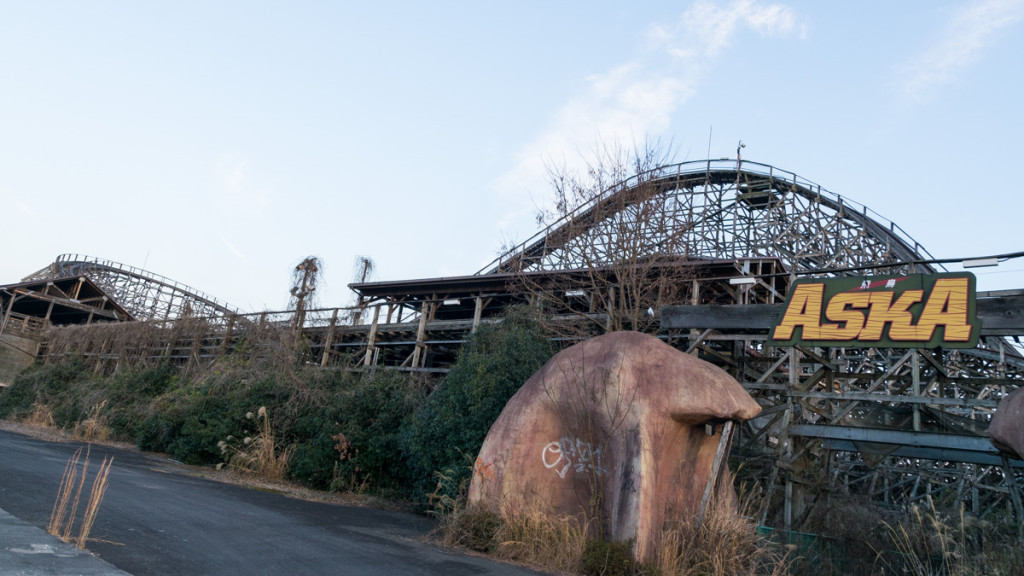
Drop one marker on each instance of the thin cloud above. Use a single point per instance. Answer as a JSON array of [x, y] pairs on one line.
[[233, 249], [239, 191], [717, 27], [24, 208], [969, 32], [637, 99]]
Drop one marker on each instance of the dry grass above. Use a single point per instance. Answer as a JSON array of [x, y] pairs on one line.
[[534, 538], [929, 542], [257, 454], [94, 427], [65, 507], [725, 543], [41, 416], [543, 540]]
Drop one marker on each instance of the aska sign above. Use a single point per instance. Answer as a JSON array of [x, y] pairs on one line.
[[914, 311]]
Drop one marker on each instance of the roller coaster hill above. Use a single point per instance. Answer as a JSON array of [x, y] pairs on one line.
[[702, 254]]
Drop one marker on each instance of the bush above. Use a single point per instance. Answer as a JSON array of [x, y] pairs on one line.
[[57, 384], [314, 459], [345, 430], [450, 428], [372, 417], [603, 558], [473, 528]]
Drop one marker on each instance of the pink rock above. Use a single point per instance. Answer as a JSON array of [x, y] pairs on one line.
[[612, 431], [1006, 430]]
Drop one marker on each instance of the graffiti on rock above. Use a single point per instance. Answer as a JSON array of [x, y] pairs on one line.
[[483, 469], [572, 454]]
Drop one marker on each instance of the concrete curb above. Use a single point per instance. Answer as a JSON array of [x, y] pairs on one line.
[[26, 550]]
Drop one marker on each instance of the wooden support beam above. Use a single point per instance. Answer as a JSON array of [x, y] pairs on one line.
[[716, 469], [329, 339], [371, 339], [696, 342], [1011, 485], [226, 339], [418, 352], [477, 313]]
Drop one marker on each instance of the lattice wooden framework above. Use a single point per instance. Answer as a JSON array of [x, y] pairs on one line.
[[145, 295], [893, 425], [726, 210]]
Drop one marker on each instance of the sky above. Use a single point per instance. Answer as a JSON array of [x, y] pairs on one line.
[[220, 143]]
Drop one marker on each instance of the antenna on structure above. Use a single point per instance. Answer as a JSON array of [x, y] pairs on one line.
[[739, 161], [707, 173]]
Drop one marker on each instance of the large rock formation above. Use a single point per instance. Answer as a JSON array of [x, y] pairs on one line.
[[1006, 430], [612, 431]]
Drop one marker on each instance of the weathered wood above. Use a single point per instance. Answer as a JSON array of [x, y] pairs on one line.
[[477, 313], [1003, 316], [371, 340], [329, 339], [720, 317], [716, 469], [426, 310]]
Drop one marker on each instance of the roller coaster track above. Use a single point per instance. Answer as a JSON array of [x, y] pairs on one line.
[[143, 294], [726, 210], [894, 425]]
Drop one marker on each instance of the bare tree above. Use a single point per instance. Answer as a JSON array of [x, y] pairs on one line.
[[611, 258]]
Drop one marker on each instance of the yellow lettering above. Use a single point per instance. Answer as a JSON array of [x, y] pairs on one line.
[[947, 306], [804, 310], [848, 322], [897, 315]]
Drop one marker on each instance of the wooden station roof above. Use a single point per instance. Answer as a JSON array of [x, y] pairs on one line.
[[75, 300], [513, 286]]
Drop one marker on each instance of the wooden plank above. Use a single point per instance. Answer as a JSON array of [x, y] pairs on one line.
[[329, 340], [720, 317], [1003, 316], [716, 469]]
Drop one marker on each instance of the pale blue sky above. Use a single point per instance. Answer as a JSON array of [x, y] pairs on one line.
[[219, 143]]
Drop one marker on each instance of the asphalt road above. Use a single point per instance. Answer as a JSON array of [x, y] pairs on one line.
[[158, 520]]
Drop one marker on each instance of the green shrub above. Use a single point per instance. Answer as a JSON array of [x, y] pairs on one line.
[[450, 428], [372, 417], [56, 384], [314, 459], [207, 422], [602, 558], [346, 430], [474, 528]]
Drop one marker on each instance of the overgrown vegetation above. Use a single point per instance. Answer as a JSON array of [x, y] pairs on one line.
[[723, 544], [450, 428], [257, 453], [405, 436], [926, 541], [383, 432]]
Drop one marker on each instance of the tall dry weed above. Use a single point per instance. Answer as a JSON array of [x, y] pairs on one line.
[[41, 415], [258, 453], [541, 539], [928, 541], [723, 544], [94, 427], [65, 507]]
